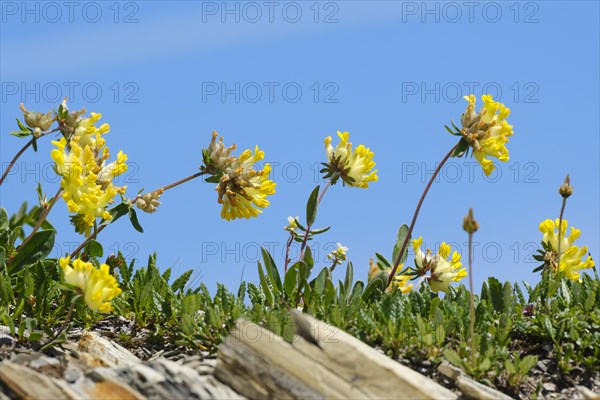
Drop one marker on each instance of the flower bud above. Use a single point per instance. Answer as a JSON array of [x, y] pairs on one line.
[[36, 120], [469, 223], [566, 189], [148, 202]]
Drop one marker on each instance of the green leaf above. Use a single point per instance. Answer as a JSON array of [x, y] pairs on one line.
[[548, 326], [319, 282], [34, 144], [37, 248], [378, 283], [402, 234], [496, 293], [357, 292], [308, 258], [272, 271], [291, 280], [3, 219], [116, 212], [180, 282], [349, 278], [565, 292], [453, 357], [384, 260], [134, 220], [311, 206], [213, 179], [320, 230], [265, 285], [23, 127], [20, 134], [526, 364], [461, 148], [93, 248]]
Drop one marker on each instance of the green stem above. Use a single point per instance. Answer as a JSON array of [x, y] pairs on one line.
[[416, 214]]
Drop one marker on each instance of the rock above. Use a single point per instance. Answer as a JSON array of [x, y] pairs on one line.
[[27, 383], [71, 374], [259, 364], [107, 352], [587, 394], [468, 386], [549, 387], [5, 338]]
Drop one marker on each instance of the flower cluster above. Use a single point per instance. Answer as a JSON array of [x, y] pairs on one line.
[[571, 256], [86, 177], [441, 269], [242, 189], [338, 255], [486, 132], [97, 285], [354, 167]]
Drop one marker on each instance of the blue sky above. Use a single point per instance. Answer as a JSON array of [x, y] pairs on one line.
[[284, 75]]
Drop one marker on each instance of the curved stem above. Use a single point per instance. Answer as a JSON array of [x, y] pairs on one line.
[[82, 245], [42, 218], [164, 188], [416, 214], [20, 152], [327, 186], [184, 180]]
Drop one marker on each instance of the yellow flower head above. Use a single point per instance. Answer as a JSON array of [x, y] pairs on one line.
[[242, 189], [550, 230], [354, 167], [86, 178], [571, 256], [442, 268], [97, 285], [487, 131]]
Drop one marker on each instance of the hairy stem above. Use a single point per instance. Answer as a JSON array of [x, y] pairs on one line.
[[560, 218], [416, 214], [20, 152], [471, 301]]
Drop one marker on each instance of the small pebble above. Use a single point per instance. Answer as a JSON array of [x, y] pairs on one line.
[[549, 387], [71, 374]]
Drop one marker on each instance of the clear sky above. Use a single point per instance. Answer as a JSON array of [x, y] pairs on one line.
[[284, 75]]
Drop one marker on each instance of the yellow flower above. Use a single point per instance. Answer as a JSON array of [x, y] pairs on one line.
[[86, 180], [242, 189], [353, 166], [570, 255], [400, 281], [97, 285], [571, 262], [88, 133], [441, 270], [487, 132]]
